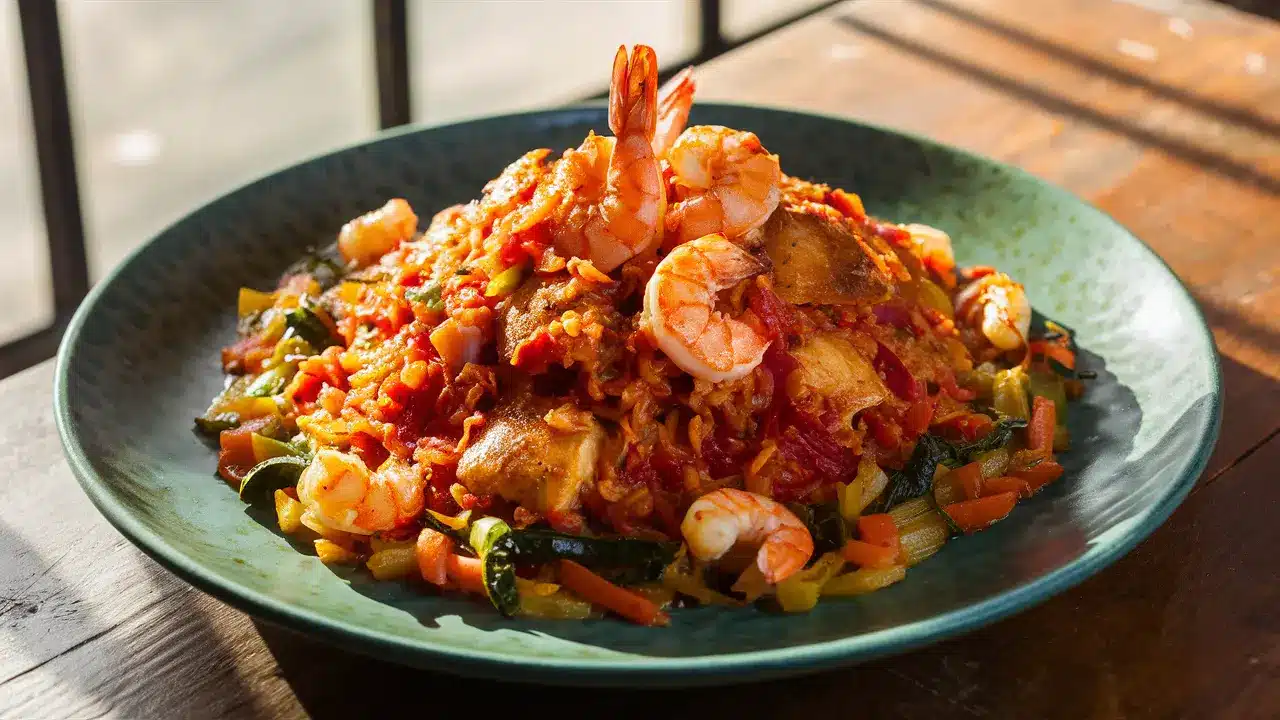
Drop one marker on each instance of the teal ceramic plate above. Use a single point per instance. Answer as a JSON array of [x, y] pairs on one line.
[[141, 359]]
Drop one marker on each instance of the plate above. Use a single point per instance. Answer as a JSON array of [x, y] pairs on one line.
[[140, 360]]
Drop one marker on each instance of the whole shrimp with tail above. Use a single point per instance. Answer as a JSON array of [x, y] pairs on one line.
[[605, 201], [679, 311], [722, 518]]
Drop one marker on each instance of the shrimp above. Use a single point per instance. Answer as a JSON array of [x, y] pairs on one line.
[[728, 182], [338, 491], [718, 520], [679, 310], [609, 194], [674, 102], [999, 306], [374, 234]]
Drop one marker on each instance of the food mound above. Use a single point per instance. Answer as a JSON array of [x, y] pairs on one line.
[[652, 372]]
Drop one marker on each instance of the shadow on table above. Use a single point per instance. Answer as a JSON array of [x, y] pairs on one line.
[[1053, 100], [113, 665]]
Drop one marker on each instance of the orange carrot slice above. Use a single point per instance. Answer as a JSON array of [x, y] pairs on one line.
[[432, 551], [467, 573], [591, 587], [878, 530], [1040, 474], [974, 515], [1005, 484], [864, 554], [1044, 416]]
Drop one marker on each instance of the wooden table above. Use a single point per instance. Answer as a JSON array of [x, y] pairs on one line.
[[1169, 120]]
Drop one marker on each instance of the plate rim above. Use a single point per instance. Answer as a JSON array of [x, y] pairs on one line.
[[633, 669]]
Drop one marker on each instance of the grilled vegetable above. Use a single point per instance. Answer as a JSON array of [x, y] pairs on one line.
[[306, 324], [232, 407], [491, 539], [270, 475], [265, 448], [646, 557], [273, 381]]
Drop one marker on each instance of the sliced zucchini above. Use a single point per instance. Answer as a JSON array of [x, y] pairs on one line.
[[644, 560], [270, 475], [491, 539]]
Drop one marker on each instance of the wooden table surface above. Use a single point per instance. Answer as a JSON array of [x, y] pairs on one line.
[[1164, 113]]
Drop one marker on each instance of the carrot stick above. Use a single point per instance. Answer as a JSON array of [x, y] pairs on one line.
[[1062, 354], [1039, 475], [974, 515], [970, 479], [1044, 415], [878, 530], [864, 554], [432, 551], [467, 572], [596, 589], [1005, 484]]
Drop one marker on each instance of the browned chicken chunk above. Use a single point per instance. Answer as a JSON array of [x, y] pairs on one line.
[[523, 459], [819, 261], [833, 369]]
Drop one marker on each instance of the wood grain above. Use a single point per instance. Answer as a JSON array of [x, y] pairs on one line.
[[1184, 149]]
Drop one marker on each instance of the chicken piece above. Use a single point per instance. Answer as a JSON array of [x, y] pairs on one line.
[[832, 368], [818, 261], [523, 459]]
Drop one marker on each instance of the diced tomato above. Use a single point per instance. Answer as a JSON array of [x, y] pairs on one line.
[[304, 388], [896, 375]]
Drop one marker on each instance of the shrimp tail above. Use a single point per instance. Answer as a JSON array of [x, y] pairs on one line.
[[675, 99], [633, 96]]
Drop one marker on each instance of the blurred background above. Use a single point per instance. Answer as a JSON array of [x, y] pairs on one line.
[[169, 103]]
